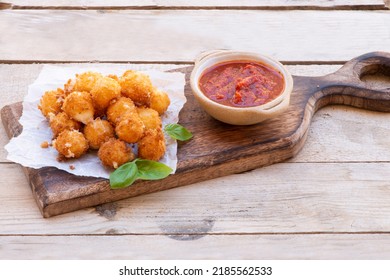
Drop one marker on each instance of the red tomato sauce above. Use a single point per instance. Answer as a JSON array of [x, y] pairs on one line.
[[241, 84]]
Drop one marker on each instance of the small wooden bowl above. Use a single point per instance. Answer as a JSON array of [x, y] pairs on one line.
[[240, 115]]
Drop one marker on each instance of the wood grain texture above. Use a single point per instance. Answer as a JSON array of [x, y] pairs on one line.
[[228, 247], [282, 198], [346, 34], [235, 149], [200, 3], [335, 135]]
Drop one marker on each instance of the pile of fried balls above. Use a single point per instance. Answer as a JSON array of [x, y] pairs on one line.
[[108, 114]]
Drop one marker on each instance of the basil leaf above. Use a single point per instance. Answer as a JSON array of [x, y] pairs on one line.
[[178, 132], [124, 176], [151, 170], [144, 169]]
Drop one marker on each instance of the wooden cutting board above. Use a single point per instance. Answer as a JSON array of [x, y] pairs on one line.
[[218, 149]]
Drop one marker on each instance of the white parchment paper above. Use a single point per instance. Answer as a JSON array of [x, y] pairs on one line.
[[26, 148]]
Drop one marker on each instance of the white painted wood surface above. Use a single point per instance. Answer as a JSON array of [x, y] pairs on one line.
[[198, 3], [329, 202], [282, 198], [295, 246], [139, 35]]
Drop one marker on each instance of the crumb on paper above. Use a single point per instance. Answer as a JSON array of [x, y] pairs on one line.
[[72, 167], [45, 145]]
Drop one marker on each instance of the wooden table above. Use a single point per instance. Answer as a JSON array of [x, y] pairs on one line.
[[329, 202]]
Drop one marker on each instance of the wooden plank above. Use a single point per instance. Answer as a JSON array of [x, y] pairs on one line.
[[148, 35], [332, 135], [199, 3], [296, 246], [336, 135], [283, 198]]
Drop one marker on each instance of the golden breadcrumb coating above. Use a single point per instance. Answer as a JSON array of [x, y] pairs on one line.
[[112, 76], [104, 90], [137, 86], [69, 86], [152, 145], [85, 81], [61, 122], [130, 130], [71, 144], [159, 101], [149, 117], [114, 153], [120, 109], [51, 102], [97, 132], [78, 105]]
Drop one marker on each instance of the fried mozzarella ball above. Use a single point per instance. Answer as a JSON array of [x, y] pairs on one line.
[[149, 117], [78, 105], [114, 153], [120, 109], [82, 82], [130, 130], [61, 122], [137, 86], [152, 145], [159, 101], [86, 81], [97, 132], [71, 144], [104, 90], [51, 102]]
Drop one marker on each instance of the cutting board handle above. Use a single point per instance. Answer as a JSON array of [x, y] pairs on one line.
[[348, 87], [367, 64]]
